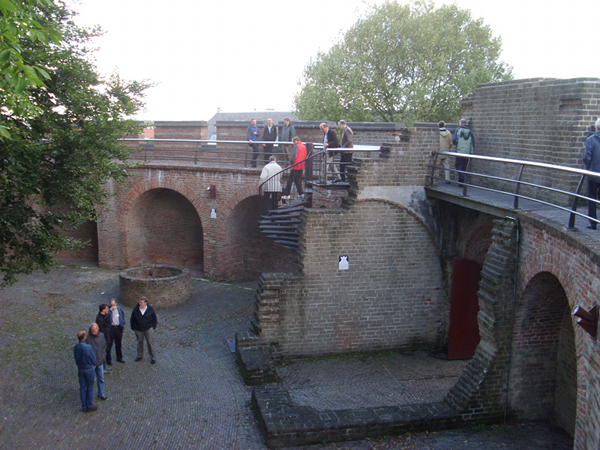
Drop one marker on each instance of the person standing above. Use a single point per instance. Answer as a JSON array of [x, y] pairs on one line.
[[298, 155], [464, 140], [287, 134], [104, 327], [330, 140], [85, 358], [347, 141], [445, 146], [116, 321], [98, 342], [143, 323], [253, 136], [271, 186], [591, 159], [270, 134]]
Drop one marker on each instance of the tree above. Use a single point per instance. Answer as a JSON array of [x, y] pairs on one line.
[[62, 124], [402, 63]]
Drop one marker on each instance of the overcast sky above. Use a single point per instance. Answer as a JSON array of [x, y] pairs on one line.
[[249, 55]]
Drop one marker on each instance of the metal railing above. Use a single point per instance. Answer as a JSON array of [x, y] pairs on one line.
[[316, 162], [522, 181], [198, 151]]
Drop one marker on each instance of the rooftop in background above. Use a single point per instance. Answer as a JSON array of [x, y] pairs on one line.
[[260, 116]]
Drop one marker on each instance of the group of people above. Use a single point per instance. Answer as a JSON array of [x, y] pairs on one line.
[[330, 141], [93, 352], [269, 135], [464, 141], [271, 173]]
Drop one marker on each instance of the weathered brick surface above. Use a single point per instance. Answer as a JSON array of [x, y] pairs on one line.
[[286, 424], [389, 297], [162, 215], [542, 119], [167, 286]]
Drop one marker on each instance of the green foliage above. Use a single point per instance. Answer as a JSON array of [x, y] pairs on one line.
[[60, 140], [402, 63]]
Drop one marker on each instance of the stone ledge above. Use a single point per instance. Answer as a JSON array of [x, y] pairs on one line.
[[256, 365], [285, 424]]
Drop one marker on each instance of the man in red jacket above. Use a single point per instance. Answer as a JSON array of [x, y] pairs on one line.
[[298, 154]]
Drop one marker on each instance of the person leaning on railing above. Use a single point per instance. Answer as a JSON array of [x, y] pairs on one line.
[[253, 136], [591, 159], [464, 140], [445, 146], [347, 141], [298, 154], [330, 140], [287, 133]]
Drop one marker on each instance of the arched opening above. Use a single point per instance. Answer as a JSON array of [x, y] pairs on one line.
[[252, 252], [87, 233], [543, 370], [164, 228]]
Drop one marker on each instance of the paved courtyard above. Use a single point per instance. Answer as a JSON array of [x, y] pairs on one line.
[[193, 398]]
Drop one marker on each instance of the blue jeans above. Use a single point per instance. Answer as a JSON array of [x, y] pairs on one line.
[[86, 388], [100, 377]]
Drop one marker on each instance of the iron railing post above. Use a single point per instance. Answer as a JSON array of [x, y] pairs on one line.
[[571, 224], [518, 188]]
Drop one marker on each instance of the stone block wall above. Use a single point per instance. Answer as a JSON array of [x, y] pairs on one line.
[[542, 119]]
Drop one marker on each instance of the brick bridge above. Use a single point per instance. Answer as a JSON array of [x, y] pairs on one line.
[[402, 241]]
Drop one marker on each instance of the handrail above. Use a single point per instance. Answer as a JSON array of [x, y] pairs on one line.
[[207, 150], [311, 156], [358, 148], [519, 182]]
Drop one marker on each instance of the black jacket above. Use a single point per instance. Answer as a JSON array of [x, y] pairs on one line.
[[144, 322]]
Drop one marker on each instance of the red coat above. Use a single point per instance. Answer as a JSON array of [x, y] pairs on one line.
[[298, 154]]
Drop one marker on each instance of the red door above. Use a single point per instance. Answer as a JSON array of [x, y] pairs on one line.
[[463, 333]]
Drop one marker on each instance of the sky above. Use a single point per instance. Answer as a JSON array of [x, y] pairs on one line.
[[243, 56]]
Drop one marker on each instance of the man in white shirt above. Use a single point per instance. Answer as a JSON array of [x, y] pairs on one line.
[[116, 322]]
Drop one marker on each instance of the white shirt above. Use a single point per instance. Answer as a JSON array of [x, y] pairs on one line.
[[115, 317], [143, 310]]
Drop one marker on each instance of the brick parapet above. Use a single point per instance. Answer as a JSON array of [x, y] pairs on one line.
[[545, 120]]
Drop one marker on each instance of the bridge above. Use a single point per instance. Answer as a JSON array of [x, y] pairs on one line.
[[491, 271]]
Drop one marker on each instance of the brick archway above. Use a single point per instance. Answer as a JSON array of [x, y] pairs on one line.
[[163, 227], [543, 372]]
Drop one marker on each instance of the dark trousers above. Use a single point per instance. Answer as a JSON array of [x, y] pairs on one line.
[[268, 150], [116, 336], [296, 178], [593, 187], [272, 200], [461, 164], [345, 158], [254, 154]]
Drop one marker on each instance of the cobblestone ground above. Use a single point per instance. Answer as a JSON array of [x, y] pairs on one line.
[[193, 398]]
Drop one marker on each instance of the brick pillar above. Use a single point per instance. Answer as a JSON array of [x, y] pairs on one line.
[[480, 393]]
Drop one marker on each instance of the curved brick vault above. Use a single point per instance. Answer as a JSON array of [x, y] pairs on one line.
[[162, 215]]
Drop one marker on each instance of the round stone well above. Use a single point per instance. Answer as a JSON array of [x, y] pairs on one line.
[[164, 286]]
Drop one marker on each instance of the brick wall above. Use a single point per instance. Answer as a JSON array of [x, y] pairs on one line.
[[541, 119], [377, 303], [162, 214]]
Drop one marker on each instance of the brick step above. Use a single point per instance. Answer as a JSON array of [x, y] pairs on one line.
[[285, 424]]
